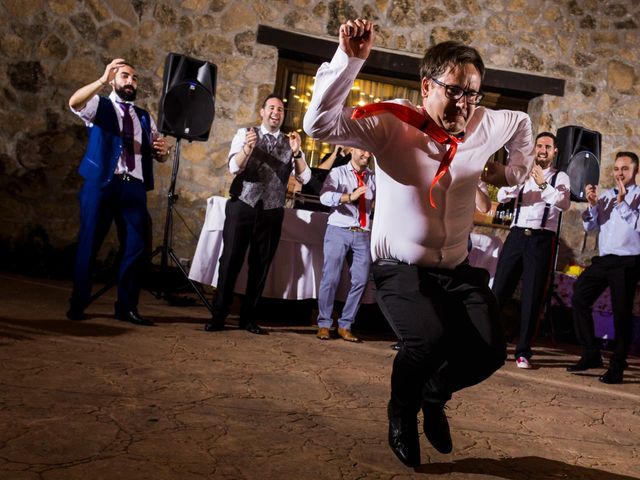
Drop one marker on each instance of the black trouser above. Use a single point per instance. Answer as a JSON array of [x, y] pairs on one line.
[[621, 275], [448, 324], [259, 231], [528, 256]]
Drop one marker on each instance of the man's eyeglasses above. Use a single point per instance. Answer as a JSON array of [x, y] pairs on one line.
[[454, 92]]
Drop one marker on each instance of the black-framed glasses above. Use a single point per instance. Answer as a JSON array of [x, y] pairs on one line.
[[454, 92]]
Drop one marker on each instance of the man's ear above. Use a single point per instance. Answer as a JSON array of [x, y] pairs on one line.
[[425, 84]]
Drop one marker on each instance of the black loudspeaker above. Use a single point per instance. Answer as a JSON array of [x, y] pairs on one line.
[[188, 98], [579, 156]]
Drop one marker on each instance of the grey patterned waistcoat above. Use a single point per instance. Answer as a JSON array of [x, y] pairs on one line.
[[265, 175]]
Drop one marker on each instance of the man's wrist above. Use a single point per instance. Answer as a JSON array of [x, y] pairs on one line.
[[297, 155], [543, 185]]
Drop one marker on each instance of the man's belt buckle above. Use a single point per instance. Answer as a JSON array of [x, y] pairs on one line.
[[528, 232], [357, 229]]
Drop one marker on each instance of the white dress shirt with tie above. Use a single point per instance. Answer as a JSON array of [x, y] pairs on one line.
[[407, 228]]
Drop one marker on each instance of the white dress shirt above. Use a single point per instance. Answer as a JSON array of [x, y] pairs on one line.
[[342, 180], [407, 228], [619, 223], [238, 142], [534, 200], [88, 114]]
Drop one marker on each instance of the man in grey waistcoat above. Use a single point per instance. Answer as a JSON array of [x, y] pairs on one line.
[[262, 159]]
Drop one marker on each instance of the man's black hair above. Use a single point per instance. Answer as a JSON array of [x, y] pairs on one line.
[[446, 55]]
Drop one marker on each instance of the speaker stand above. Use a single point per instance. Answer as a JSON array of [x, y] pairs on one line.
[[166, 250]]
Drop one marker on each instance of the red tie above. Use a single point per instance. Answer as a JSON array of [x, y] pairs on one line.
[[362, 207], [422, 122]]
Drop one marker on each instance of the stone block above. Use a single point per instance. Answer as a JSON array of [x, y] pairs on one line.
[[620, 76]]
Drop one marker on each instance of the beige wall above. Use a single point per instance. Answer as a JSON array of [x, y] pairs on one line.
[[50, 48]]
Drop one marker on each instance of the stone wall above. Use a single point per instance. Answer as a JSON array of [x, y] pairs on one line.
[[50, 48]]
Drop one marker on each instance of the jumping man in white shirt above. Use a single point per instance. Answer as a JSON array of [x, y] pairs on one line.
[[441, 308]]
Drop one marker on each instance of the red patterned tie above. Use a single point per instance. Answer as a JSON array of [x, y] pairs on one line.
[[362, 206], [422, 122], [127, 137]]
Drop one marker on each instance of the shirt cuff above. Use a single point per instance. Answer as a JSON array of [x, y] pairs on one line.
[[233, 166], [305, 176]]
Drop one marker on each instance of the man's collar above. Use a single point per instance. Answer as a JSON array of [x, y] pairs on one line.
[[264, 131]]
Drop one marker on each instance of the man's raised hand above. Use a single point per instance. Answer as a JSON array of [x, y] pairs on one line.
[[111, 70], [356, 38]]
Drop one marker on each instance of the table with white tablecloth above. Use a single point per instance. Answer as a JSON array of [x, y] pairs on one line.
[[297, 266], [484, 253]]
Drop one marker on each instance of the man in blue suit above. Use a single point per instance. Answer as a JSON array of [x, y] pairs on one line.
[[118, 171]]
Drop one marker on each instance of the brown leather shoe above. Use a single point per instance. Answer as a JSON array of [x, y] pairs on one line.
[[323, 333], [347, 335]]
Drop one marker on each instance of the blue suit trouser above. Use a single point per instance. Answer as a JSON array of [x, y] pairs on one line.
[[122, 202]]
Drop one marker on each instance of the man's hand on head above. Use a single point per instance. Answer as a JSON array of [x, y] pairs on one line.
[[111, 70]]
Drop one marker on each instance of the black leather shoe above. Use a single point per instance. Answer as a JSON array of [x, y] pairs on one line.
[[436, 427], [214, 326], [611, 376], [132, 316], [75, 314], [585, 363], [251, 327], [403, 438]]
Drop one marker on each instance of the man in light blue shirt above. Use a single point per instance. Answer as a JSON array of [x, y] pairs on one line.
[[350, 192], [616, 213]]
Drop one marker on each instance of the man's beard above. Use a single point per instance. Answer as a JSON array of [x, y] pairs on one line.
[[126, 93], [544, 162]]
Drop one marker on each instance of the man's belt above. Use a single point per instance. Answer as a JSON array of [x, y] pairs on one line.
[[533, 231], [357, 229], [125, 177]]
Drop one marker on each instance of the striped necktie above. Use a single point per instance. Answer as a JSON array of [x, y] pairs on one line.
[[271, 142]]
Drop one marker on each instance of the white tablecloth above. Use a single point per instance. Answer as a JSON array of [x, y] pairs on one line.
[[485, 250], [297, 266]]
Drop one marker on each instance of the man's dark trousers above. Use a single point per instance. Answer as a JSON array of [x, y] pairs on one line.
[[526, 253], [259, 231], [621, 274], [447, 322]]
